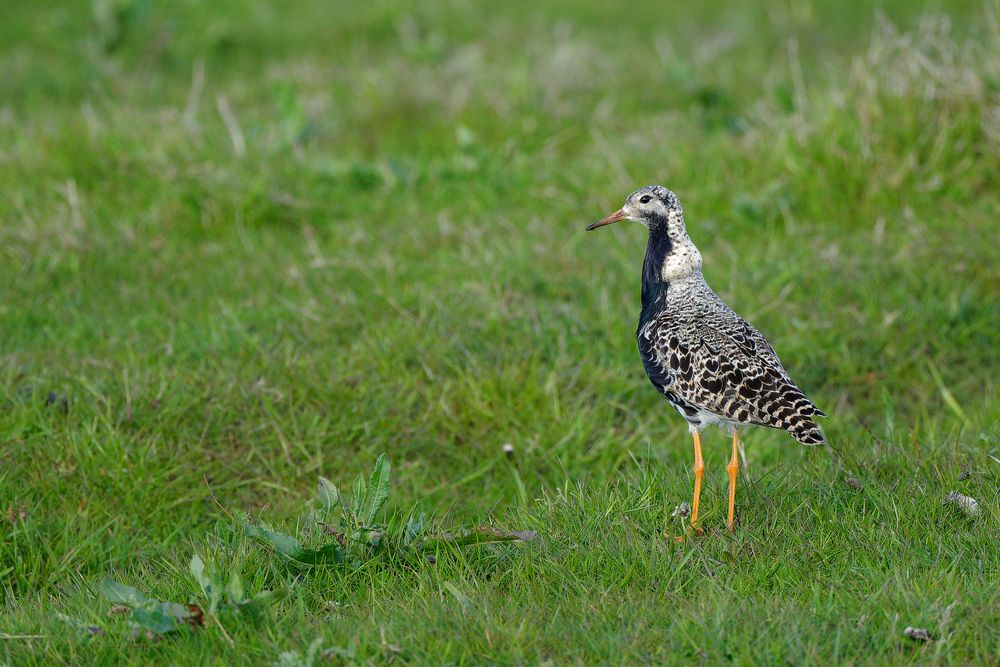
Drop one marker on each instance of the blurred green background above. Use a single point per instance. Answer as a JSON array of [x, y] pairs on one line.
[[246, 244]]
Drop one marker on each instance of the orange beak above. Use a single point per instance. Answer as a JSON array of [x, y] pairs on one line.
[[617, 216]]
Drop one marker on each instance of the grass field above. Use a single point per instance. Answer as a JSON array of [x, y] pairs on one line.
[[245, 245]]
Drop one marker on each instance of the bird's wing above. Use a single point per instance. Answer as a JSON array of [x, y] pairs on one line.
[[717, 361]]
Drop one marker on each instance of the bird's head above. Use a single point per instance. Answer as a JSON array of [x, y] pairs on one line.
[[653, 206]]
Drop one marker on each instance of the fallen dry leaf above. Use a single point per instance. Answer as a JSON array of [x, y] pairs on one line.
[[196, 616]]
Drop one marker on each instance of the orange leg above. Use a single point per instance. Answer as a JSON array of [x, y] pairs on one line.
[[699, 471], [733, 468]]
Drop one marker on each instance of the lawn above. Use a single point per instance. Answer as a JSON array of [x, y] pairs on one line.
[[247, 245]]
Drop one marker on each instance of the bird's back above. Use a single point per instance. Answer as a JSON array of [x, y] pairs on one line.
[[713, 365]]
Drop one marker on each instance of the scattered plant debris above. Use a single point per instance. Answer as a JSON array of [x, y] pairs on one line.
[[196, 618], [15, 514], [917, 634], [967, 504]]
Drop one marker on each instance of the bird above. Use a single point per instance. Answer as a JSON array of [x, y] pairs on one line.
[[709, 363]]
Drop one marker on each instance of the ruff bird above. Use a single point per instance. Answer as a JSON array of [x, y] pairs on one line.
[[707, 361]]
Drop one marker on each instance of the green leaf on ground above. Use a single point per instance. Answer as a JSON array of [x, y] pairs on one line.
[[234, 589], [330, 554], [359, 494], [209, 580], [329, 497], [118, 593], [147, 613], [378, 488]]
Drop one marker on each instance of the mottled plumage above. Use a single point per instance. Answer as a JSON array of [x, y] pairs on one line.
[[706, 360], [713, 366]]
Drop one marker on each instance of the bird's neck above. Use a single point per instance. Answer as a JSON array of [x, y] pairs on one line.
[[654, 287], [671, 257]]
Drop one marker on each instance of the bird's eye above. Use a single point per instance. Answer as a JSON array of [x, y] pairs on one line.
[[644, 199]]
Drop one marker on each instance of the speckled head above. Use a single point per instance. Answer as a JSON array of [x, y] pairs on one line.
[[670, 254], [653, 206]]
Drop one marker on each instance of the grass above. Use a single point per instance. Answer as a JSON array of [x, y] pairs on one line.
[[247, 245]]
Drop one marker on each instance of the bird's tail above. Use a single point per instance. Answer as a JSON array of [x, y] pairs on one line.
[[806, 431]]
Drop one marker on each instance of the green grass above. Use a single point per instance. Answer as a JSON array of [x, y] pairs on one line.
[[243, 245]]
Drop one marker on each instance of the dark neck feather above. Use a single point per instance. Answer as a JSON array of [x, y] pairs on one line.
[[654, 288]]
